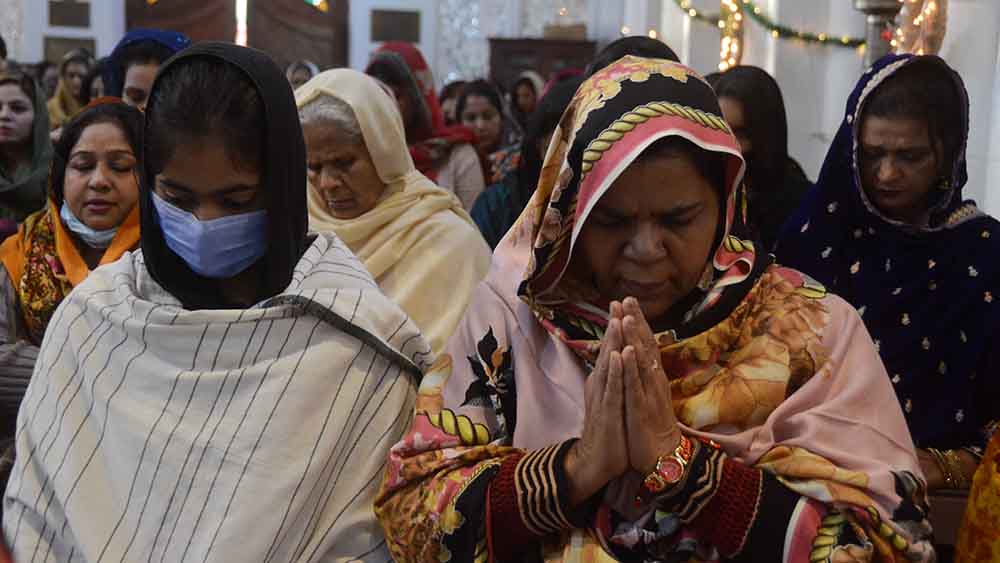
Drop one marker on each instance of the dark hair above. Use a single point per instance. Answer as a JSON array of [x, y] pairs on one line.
[[392, 75], [924, 90], [482, 88], [545, 119], [126, 118], [637, 45], [143, 52], [297, 66], [710, 165], [25, 81], [41, 67], [713, 79], [524, 81], [187, 103], [3, 49], [80, 56], [766, 123], [452, 89], [391, 69], [97, 71]]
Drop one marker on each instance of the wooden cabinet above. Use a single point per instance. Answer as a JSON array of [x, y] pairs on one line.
[[510, 57]]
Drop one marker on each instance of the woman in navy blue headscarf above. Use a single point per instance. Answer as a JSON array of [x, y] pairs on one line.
[[887, 229], [133, 64]]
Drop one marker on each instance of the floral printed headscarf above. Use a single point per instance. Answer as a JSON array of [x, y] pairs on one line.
[[615, 115]]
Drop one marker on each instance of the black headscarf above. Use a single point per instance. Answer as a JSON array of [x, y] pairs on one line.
[[776, 183], [283, 181]]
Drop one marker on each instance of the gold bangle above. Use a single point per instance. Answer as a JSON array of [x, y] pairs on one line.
[[942, 463], [955, 464]]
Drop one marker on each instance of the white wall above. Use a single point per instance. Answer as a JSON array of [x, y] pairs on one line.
[[816, 80], [971, 46], [361, 45], [107, 21]]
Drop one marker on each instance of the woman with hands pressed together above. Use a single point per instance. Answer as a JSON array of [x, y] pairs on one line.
[[633, 381]]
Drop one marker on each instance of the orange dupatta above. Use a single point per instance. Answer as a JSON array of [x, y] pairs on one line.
[[44, 263]]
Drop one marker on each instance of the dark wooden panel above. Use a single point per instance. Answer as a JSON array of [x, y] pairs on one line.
[[290, 30], [395, 25], [201, 20], [69, 13], [510, 57]]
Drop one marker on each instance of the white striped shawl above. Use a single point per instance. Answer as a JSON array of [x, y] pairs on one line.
[[151, 433]]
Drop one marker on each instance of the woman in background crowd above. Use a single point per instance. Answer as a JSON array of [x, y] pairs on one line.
[[445, 154], [25, 149], [415, 238], [300, 72], [501, 204], [752, 104], [887, 229], [480, 107], [69, 97], [91, 218], [449, 97], [525, 94], [48, 77], [93, 83], [133, 64]]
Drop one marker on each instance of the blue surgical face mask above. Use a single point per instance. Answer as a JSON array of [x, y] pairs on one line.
[[93, 238], [218, 249]]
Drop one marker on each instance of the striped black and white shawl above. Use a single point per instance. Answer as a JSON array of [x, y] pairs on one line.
[[153, 433]]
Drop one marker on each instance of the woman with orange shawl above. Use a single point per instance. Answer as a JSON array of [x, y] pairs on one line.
[[633, 381], [445, 154], [91, 219]]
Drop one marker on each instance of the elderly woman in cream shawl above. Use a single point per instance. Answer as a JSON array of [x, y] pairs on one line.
[[415, 238]]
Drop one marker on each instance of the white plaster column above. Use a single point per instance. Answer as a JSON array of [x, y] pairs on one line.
[[969, 46]]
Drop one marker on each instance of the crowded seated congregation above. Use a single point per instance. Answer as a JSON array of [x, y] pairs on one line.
[[324, 287]]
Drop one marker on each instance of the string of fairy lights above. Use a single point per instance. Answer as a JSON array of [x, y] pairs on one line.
[[921, 28], [321, 5]]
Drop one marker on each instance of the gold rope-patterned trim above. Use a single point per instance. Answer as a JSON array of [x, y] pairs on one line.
[[460, 426], [641, 114]]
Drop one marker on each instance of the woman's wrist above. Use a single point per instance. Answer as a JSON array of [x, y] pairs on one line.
[[583, 477], [666, 447], [950, 465]]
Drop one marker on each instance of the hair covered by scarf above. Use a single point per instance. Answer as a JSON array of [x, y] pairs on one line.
[[283, 178], [766, 364], [42, 259], [432, 140]]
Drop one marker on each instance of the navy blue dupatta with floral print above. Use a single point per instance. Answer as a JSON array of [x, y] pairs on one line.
[[930, 296]]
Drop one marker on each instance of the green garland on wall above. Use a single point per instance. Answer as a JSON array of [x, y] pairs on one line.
[[756, 13]]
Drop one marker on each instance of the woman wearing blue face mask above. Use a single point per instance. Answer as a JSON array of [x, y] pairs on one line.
[[91, 219], [230, 392]]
